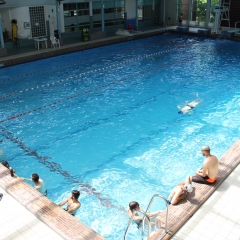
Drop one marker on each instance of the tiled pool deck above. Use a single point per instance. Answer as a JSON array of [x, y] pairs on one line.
[[219, 217], [215, 214], [26, 214]]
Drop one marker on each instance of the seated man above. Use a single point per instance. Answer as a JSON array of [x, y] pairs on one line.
[[180, 191], [209, 172], [133, 206], [73, 203], [189, 106]]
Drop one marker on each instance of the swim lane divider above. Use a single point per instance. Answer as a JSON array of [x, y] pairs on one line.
[[85, 73], [86, 59], [56, 167], [91, 90]]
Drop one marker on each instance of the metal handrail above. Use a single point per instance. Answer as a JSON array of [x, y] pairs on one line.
[[166, 26], [150, 204], [236, 24], [131, 219]]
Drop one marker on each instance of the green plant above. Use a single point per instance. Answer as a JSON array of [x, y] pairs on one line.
[[201, 10]]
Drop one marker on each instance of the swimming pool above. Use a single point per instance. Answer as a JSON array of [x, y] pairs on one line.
[[106, 121]]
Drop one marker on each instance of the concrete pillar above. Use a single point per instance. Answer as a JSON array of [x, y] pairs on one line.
[[102, 15], [1, 34], [153, 11], [136, 27], [125, 13], [58, 18], [91, 15]]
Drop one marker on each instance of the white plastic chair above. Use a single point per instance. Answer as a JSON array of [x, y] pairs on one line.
[[54, 42]]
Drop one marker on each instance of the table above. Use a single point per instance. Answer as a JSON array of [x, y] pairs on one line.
[[37, 40]]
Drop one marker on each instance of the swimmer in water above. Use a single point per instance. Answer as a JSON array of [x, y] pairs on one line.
[[72, 203], [133, 207], [189, 106], [38, 183]]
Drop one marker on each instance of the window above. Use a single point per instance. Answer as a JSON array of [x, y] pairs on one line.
[[97, 14], [76, 16], [214, 3], [198, 11], [200, 7], [183, 9], [113, 13], [144, 10]]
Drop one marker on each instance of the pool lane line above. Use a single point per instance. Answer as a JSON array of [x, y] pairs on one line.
[[85, 73], [91, 90], [56, 167], [86, 59], [70, 63]]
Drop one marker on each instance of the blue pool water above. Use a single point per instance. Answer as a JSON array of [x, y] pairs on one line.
[[105, 121]]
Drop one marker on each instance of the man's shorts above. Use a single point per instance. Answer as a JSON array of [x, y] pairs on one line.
[[204, 180]]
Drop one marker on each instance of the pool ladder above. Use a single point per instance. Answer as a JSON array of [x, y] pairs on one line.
[[148, 219]]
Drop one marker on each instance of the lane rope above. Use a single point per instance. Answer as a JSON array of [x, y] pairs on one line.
[[89, 72], [86, 59], [91, 90]]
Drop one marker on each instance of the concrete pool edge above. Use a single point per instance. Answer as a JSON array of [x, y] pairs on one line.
[[65, 225], [179, 214]]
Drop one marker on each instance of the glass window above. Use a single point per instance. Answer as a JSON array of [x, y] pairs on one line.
[[76, 16], [114, 13], [69, 6], [144, 10], [198, 12], [83, 5], [214, 3], [108, 10], [97, 24], [199, 8], [183, 10], [82, 12]]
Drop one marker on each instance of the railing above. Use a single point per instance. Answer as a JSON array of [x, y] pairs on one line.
[[150, 204], [166, 26], [236, 24], [130, 222], [148, 219]]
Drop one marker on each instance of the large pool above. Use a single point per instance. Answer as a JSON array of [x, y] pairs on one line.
[[105, 121]]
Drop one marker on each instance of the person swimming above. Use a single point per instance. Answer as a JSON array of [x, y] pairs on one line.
[[189, 106], [133, 208]]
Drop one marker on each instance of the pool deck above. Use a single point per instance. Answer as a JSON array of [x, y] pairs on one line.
[[217, 214]]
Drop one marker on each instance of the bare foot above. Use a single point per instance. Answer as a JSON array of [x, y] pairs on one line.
[[162, 225]]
